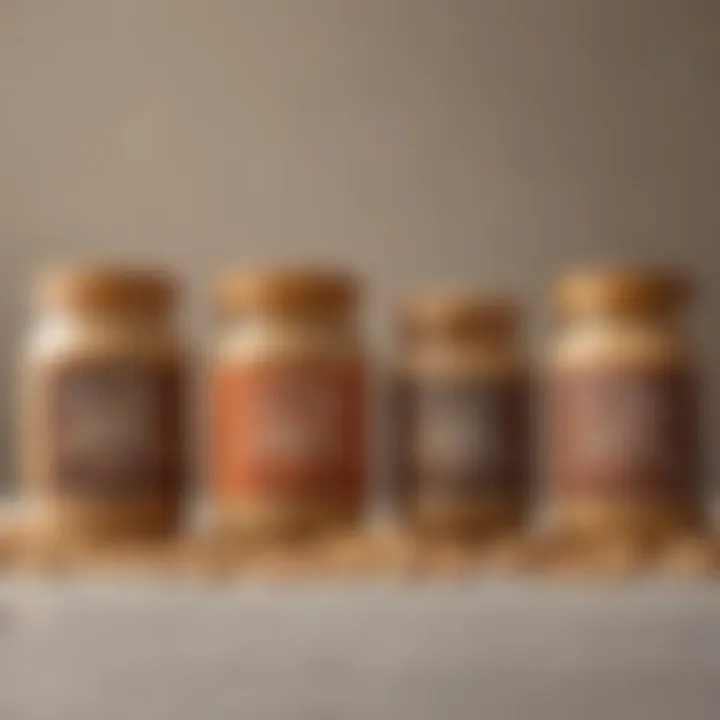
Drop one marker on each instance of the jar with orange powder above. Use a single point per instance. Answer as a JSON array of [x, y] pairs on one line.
[[103, 446], [622, 396], [288, 404]]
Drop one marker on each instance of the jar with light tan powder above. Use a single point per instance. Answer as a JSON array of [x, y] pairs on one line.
[[624, 441], [288, 416], [102, 405], [461, 413]]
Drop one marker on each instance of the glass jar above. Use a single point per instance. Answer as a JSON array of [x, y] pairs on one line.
[[624, 441], [102, 409], [288, 430], [461, 415]]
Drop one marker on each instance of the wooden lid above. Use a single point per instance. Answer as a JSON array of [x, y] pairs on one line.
[[621, 292], [288, 292], [458, 313], [111, 289]]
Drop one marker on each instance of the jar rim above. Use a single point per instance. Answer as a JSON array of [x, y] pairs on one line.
[[622, 291], [287, 292], [459, 311], [106, 288]]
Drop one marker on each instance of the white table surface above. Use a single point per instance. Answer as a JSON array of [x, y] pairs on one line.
[[91, 650]]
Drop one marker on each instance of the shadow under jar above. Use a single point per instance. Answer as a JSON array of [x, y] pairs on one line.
[[103, 449], [461, 416], [622, 397], [288, 416]]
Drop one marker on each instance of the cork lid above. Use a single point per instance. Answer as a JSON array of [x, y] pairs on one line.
[[107, 289], [288, 292], [639, 291], [460, 314]]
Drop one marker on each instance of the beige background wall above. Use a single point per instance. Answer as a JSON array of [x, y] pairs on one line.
[[496, 141]]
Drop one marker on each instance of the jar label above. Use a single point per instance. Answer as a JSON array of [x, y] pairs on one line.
[[462, 439], [289, 431], [116, 430], [624, 434]]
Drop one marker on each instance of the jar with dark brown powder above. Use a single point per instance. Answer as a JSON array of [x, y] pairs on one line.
[[624, 441], [461, 413], [102, 405]]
